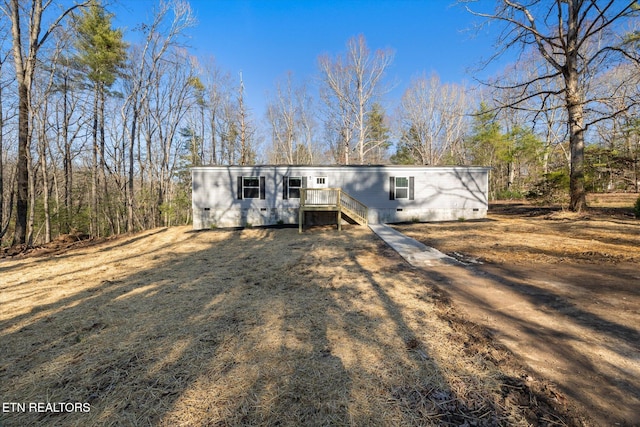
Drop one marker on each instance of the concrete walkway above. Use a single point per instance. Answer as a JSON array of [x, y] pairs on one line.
[[414, 252]]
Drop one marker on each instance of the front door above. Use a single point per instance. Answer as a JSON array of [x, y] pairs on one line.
[[320, 197]]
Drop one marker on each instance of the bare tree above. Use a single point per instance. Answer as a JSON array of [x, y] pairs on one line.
[[432, 116], [355, 82], [172, 97], [143, 74], [25, 52], [308, 128], [216, 85], [292, 127], [549, 122], [245, 156], [42, 92], [339, 119], [4, 226], [619, 136], [70, 122], [575, 38], [532, 135]]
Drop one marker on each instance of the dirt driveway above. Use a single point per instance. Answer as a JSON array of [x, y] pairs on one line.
[[561, 291]]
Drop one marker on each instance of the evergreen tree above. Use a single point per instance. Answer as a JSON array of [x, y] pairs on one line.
[[507, 153], [101, 49], [406, 154], [403, 155], [378, 139], [192, 148], [486, 136], [101, 52]]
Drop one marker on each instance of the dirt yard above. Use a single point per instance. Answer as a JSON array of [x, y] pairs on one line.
[[270, 327], [559, 290]]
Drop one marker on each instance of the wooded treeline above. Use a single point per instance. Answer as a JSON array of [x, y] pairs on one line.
[[98, 135]]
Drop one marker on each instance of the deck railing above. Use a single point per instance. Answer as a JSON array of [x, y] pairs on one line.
[[319, 196], [333, 199]]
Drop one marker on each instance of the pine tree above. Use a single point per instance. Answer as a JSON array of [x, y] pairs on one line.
[[486, 137], [101, 52], [488, 145], [377, 140]]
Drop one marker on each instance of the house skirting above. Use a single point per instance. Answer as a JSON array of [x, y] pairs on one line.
[[211, 218]]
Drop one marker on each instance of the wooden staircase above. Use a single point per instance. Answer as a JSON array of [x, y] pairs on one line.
[[333, 200]]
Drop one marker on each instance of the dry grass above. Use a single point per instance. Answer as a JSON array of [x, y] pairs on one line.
[[612, 200], [560, 289], [252, 327], [519, 233]]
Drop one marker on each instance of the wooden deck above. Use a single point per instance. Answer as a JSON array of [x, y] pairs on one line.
[[331, 200]]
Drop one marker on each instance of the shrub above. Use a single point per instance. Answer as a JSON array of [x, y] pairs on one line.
[[636, 208], [553, 188], [509, 195]]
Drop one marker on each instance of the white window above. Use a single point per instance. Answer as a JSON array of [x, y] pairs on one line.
[[295, 182], [251, 187], [402, 187], [321, 180]]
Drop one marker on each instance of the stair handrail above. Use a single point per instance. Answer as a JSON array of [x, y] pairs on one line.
[[334, 197], [354, 205]]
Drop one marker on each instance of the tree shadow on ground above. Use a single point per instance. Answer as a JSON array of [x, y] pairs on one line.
[[242, 327], [555, 332]]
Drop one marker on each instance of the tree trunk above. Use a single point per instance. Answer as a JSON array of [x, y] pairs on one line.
[[575, 109], [243, 125], [22, 199], [361, 123], [24, 68], [45, 184], [511, 174], [32, 199], [23, 81], [1, 167], [68, 172], [4, 226], [212, 123], [55, 191], [134, 121], [107, 200], [576, 146], [94, 170]]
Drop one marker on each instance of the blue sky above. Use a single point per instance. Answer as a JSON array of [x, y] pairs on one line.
[[265, 39]]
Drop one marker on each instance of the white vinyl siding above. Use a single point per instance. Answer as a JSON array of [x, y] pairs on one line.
[[433, 193]]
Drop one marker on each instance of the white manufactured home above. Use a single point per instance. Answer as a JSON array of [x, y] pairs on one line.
[[235, 196]]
